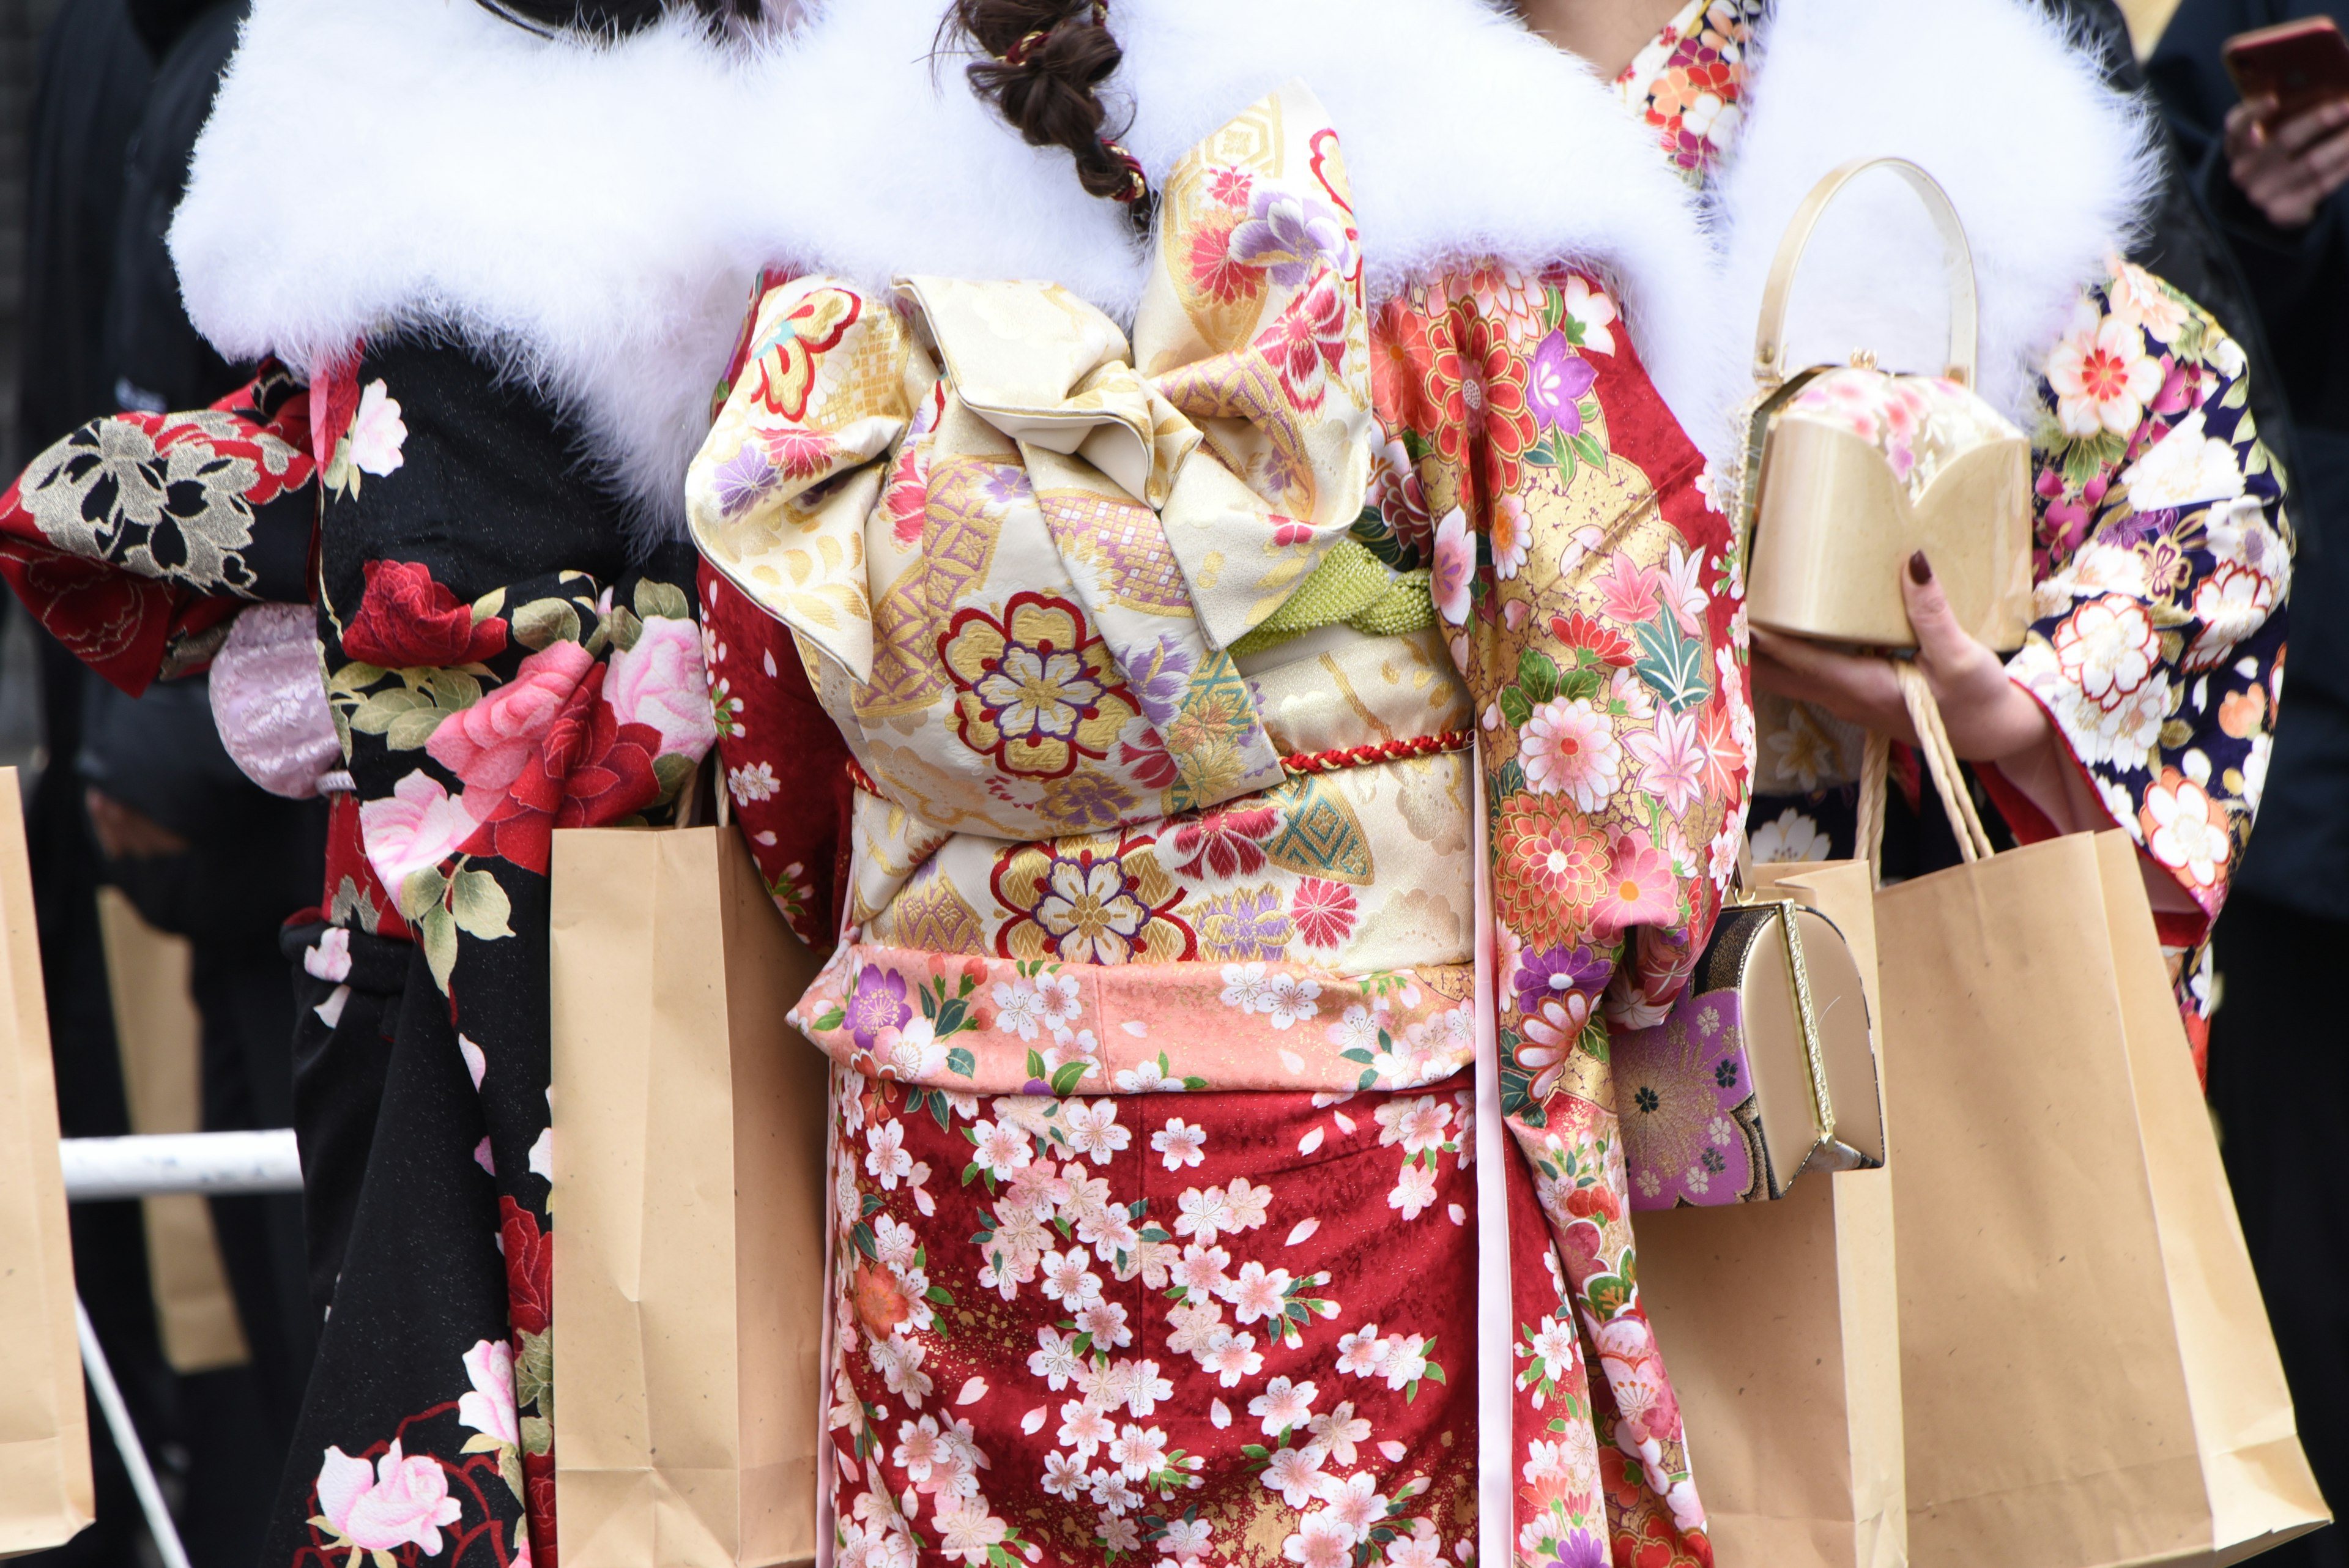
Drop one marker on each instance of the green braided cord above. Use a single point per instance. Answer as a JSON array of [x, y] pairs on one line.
[[1350, 587], [1407, 605]]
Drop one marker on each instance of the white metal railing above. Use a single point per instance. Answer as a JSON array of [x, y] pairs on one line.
[[157, 1163], [149, 1166]]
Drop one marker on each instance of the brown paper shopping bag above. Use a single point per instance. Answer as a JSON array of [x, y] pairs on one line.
[[45, 1479], [1779, 1320], [2086, 1370], [160, 1037], [688, 1200]]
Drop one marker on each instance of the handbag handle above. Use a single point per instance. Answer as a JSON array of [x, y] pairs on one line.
[[1957, 260], [1941, 762]]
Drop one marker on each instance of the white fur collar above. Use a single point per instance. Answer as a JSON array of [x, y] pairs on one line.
[[2048, 169], [593, 216]]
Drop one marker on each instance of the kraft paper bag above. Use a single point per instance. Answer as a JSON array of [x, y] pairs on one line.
[[2086, 1369], [160, 1037], [689, 1123], [45, 1478], [1781, 1324]]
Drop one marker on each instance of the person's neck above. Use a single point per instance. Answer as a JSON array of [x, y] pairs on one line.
[[1606, 33]]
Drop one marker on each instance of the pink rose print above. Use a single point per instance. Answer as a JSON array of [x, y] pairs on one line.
[[401, 1501], [489, 743], [421, 824], [662, 684], [376, 431], [488, 1407]]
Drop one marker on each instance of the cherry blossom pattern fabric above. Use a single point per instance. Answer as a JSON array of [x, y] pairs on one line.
[[2163, 561], [497, 664], [1688, 81], [1135, 887]]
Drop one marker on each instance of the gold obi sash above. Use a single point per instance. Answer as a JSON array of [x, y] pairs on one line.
[[1016, 549]]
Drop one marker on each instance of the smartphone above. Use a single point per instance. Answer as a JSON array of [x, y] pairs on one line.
[[2301, 65]]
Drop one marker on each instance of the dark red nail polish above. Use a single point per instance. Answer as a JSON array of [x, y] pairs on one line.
[[1921, 570]]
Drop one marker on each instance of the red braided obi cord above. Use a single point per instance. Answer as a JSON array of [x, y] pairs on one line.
[[1439, 744]]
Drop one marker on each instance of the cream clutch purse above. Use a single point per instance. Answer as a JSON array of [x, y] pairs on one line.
[[1849, 470]]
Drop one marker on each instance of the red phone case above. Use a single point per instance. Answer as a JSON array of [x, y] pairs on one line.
[[2300, 64]]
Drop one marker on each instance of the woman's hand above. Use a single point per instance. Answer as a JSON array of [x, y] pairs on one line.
[[1987, 715], [2287, 171]]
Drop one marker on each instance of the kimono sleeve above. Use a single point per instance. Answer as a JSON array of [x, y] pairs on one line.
[[1591, 600], [783, 763], [135, 539], [2164, 561]]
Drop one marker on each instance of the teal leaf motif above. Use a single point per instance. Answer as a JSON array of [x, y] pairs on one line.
[[1671, 662]]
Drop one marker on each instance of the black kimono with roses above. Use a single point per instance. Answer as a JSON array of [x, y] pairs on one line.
[[499, 663]]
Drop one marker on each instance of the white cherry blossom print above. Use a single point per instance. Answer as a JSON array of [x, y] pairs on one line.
[[1179, 1143], [1055, 1359], [1337, 1433], [1255, 1292], [1283, 1405], [1419, 1125], [1018, 1009], [1068, 1278], [886, 1158], [1297, 1475], [1092, 1128], [1413, 1192]]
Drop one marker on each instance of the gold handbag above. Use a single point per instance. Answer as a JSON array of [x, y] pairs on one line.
[[1849, 470]]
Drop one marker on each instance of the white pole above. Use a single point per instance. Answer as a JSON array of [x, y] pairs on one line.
[[142, 1166], [126, 1443]]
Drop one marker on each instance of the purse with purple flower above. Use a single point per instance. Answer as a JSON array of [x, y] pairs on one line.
[[1762, 1071]]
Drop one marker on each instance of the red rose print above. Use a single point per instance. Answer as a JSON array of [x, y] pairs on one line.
[[590, 769], [530, 1267], [538, 1481], [408, 622]]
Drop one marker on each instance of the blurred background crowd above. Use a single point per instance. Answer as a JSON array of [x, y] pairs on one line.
[[170, 1001]]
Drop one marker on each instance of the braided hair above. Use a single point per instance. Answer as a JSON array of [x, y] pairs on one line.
[[1046, 60]]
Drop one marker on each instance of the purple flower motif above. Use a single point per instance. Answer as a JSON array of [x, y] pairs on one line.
[[743, 478], [1158, 677], [1289, 234], [1554, 971], [877, 1003], [1560, 378], [1580, 1550], [1007, 486], [1248, 924]]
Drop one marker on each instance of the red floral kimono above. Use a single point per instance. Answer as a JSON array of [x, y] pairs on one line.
[[1165, 665]]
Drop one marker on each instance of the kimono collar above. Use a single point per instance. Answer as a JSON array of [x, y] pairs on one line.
[[593, 216]]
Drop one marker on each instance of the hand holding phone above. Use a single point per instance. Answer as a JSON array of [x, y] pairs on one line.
[[2299, 65], [2285, 147]]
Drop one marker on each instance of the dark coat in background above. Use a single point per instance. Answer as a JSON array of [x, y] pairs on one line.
[[2279, 1066]]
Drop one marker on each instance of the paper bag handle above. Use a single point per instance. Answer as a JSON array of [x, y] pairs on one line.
[[1941, 762], [1957, 261]]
